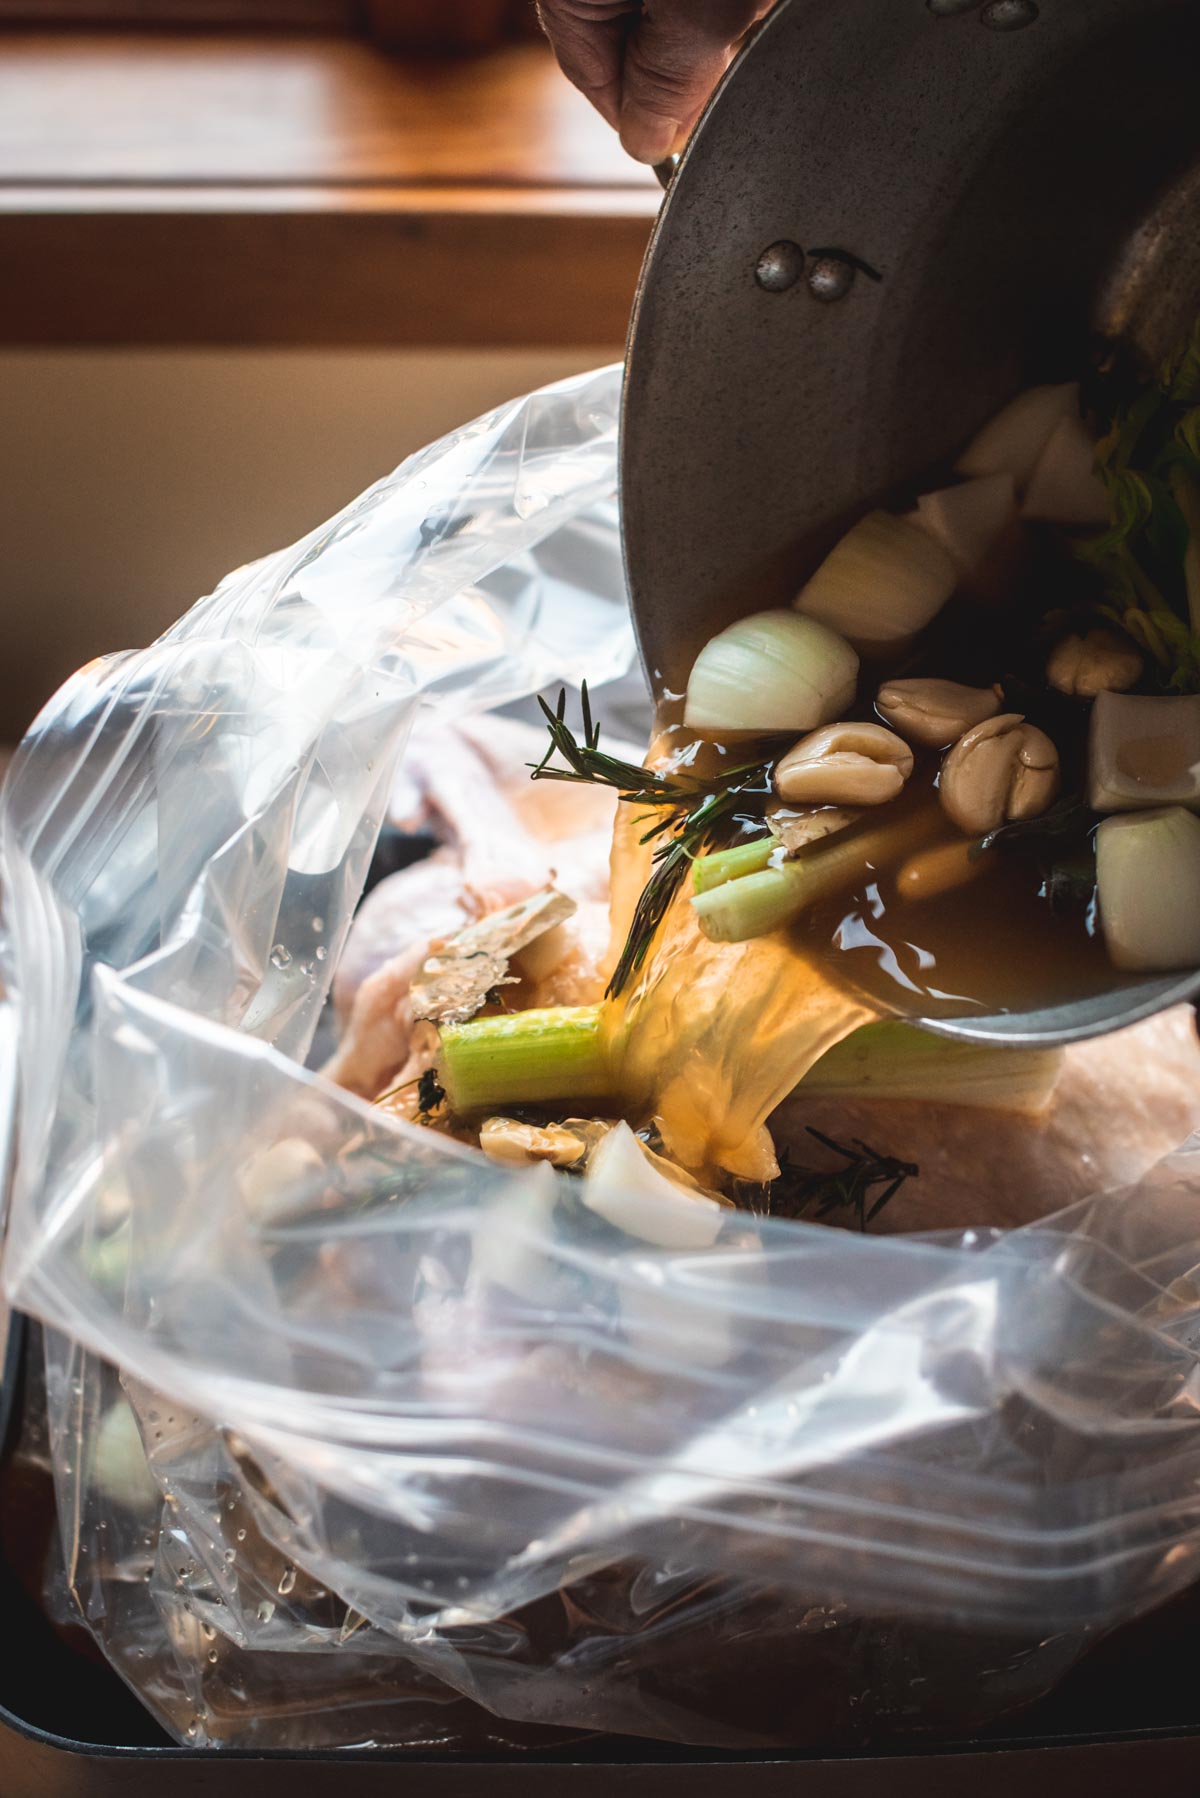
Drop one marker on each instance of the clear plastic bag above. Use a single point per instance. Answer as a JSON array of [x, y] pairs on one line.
[[360, 1438]]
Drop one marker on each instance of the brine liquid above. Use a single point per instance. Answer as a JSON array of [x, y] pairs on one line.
[[716, 1035], [992, 944]]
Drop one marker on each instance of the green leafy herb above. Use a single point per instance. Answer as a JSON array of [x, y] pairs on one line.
[[1150, 463], [1060, 846], [1067, 817], [692, 815], [800, 1191]]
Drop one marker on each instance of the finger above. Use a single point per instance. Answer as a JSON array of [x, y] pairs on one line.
[[588, 39], [674, 57]]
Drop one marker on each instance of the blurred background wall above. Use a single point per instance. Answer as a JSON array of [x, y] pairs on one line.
[[252, 254], [131, 481]]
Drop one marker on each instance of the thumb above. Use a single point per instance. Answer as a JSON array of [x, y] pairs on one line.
[[674, 57]]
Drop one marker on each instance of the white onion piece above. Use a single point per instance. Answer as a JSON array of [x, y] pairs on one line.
[[511, 1236], [1012, 442], [773, 671], [1148, 884], [119, 1468], [281, 1179], [969, 520], [1064, 487], [1144, 752], [882, 584], [625, 1184]]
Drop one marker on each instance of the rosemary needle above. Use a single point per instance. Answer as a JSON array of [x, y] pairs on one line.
[[689, 814], [854, 1187]]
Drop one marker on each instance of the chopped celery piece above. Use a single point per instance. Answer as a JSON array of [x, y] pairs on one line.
[[894, 1060], [709, 871], [756, 904], [526, 1058]]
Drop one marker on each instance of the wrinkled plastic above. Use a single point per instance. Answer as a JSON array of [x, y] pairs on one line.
[[429, 1454]]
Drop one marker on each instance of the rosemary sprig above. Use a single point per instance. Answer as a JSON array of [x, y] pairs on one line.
[[690, 814], [854, 1187]]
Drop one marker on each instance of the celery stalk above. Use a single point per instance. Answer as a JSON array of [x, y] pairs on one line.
[[709, 871], [894, 1060], [526, 1058], [757, 904]]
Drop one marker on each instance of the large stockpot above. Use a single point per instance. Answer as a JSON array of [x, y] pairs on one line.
[[893, 215]]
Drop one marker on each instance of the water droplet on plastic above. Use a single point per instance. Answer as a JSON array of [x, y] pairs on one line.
[[265, 1611], [208, 1632], [318, 925], [287, 1581], [212, 1655], [190, 1732], [229, 1554], [280, 958], [306, 968], [241, 1535], [322, 952]]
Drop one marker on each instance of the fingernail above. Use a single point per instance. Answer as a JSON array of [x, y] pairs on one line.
[[648, 138]]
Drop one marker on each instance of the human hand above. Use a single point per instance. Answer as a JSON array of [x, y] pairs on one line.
[[648, 69]]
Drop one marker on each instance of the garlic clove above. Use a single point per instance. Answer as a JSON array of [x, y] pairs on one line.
[[1100, 662], [1001, 771], [935, 713], [845, 764]]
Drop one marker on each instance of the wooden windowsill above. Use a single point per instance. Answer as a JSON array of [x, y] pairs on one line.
[[204, 189]]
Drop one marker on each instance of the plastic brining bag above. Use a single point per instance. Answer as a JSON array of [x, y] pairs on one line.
[[360, 1438]]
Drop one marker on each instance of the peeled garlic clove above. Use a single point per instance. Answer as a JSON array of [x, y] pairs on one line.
[[1001, 771], [934, 713], [1013, 441], [521, 1145], [845, 764], [969, 520], [1147, 881], [882, 584], [773, 671], [626, 1185], [1064, 487], [1144, 752], [1100, 662]]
